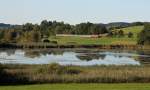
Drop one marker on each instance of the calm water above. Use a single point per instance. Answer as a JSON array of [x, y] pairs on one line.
[[81, 57]]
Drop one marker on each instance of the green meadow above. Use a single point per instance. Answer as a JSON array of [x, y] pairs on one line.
[[79, 87], [103, 40]]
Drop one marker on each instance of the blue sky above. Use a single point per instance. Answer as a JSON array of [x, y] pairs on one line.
[[74, 11]]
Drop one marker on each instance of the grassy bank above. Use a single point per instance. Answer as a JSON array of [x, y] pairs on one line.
[[47, 45], [79, 87], [53, 73], [104, 40], [96, 41]]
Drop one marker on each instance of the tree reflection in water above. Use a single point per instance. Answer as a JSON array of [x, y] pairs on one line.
[[89, 57], [71, 56], [38, 53]]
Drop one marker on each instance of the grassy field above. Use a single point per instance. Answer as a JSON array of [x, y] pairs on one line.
[[135, 29], [79, 87], [103, 40]]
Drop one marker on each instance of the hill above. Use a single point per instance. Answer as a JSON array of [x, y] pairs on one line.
[[117, 25], [103, 40], [134, 29], [7, 26], [4, 26]]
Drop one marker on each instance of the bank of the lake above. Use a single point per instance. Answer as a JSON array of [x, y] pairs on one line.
[[49, 45]]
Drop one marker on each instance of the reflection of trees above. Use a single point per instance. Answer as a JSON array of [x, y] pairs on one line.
[[89, 57], [102, 56], [144, 59], [57, 52], [86, 58], [8, 52], [54, 52], [87, 51], [38, 53], [120, 56], [32, 54], [144, 52]]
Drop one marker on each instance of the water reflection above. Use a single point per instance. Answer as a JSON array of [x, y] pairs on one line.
[[75, 57], [89, 57]]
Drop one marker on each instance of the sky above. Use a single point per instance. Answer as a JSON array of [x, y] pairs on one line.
[[74, 11]]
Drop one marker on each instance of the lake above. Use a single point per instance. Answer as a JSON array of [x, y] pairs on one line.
[[81, 57]]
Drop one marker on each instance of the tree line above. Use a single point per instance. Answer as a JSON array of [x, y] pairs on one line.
[[34, 33]]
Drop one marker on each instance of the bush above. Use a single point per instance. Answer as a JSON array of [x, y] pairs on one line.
[[130, 35], [51, 69], [72, 71], [121, 33]]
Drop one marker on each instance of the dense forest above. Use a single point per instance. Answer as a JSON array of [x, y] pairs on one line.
[[36, 32]]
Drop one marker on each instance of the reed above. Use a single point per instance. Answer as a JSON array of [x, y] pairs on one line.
[[54, 73]]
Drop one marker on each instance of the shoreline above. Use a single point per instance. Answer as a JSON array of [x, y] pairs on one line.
[[47, 46]]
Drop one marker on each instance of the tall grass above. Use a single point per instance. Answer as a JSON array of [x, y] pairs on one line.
[[55, 73]]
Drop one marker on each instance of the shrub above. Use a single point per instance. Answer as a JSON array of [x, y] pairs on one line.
[[51, 69], [130, 35], [120, 33], [72, 71]]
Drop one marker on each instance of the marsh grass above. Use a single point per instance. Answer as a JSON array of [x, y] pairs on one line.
[[54, 73], [57, 69]]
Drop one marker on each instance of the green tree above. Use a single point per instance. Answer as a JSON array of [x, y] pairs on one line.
[[32, 36], [130, 35], [10, 36], [35, 36], [28, 27], [45, 27], [144, 36], [2, 33], [121, 33], [110, 34]]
